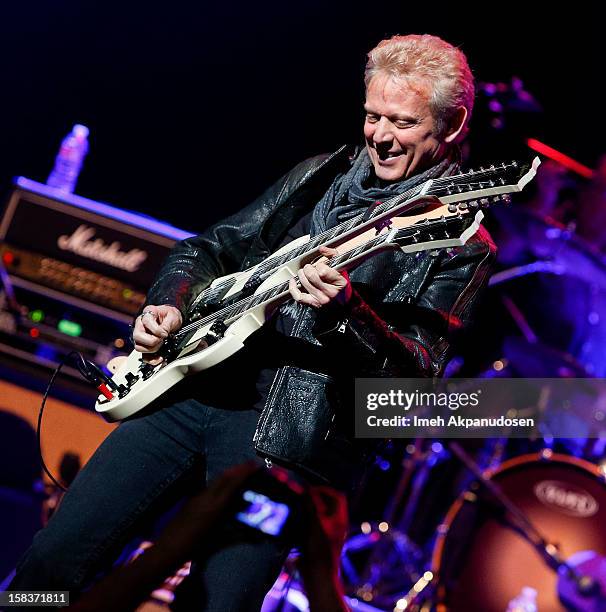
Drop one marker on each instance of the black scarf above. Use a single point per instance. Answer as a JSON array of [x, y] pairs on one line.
[[352, 193]]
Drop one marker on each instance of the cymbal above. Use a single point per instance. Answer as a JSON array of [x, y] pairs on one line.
[[531, 244]]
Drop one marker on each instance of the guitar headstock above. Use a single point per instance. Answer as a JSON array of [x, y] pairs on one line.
[[433, 234], [484, 187]]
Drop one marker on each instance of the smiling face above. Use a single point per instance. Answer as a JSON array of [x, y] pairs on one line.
[[400, 131]]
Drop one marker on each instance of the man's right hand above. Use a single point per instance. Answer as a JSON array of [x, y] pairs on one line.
[[153, 326]]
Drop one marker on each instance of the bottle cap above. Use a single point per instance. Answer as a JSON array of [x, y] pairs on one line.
[[80, 131]]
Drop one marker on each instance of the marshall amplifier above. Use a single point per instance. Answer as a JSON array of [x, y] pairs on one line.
[[74, 273]]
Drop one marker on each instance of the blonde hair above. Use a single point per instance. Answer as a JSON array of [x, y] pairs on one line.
[[433, 61]]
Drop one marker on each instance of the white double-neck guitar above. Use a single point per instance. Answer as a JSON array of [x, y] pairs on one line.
[[440, 213]]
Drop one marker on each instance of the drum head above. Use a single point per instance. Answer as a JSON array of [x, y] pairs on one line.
[[482, 562]]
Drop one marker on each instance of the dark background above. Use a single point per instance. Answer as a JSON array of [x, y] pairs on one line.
[[195, 107]]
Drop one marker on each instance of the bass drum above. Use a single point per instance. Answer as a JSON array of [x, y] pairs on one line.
[[481, 563]]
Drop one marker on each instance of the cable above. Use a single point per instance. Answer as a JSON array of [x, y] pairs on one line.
[[39, 427], [93, 374]]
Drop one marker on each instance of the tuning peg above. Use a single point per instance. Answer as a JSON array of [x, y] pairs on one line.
[[452, 208], [496, 199], [484, 202], [463, 206], [506, 198]]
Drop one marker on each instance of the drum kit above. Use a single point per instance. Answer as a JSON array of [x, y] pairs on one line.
[[468, 526]]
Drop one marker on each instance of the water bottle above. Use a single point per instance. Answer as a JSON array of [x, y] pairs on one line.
[[526, 601], [69, 160]]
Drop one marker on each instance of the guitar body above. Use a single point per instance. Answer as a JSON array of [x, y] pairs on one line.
[[196, 357]]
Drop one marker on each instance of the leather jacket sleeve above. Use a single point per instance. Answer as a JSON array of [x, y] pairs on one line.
[[195, 262], [415, 338]]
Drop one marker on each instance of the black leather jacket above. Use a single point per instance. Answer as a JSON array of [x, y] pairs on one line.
[[401, 321]]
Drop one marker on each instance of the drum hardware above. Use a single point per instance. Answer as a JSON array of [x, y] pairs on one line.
[[393, 560], [535, 267], [520, 320]]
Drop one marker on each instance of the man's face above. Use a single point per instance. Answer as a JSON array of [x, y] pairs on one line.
[[399, 129]]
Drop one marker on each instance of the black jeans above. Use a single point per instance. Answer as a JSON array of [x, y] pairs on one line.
[[135, 467]]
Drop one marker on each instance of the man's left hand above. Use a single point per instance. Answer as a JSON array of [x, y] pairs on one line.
[[321, 284]]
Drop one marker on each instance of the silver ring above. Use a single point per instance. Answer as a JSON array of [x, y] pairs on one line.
[[146, 312]]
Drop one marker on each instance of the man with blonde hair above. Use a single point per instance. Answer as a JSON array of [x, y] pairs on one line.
[[285, 395]]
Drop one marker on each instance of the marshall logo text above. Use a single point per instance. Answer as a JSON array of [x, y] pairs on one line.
[[82, 242]]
